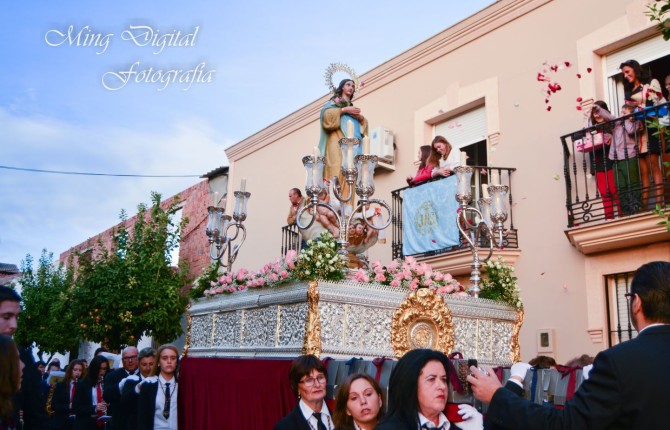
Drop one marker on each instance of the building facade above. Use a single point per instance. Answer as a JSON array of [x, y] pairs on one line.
[[481, 83]]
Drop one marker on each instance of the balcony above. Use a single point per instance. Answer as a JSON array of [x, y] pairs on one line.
[[457, 258], [610, 194]]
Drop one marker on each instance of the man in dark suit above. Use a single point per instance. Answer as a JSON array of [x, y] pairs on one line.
[[29, 402], [128, 394], [628, 385], [112, 392]]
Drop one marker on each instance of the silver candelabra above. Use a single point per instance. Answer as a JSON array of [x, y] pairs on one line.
[[488, 220], [226, 234], [359, 169]]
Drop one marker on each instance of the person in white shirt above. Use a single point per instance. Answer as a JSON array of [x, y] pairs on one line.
[[157, 405], [443, 156]]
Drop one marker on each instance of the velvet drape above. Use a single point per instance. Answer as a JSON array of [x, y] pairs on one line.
[[226, 393]]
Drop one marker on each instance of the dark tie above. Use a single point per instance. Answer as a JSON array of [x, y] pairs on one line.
[[166, 406], [319, 423], [432, 426]]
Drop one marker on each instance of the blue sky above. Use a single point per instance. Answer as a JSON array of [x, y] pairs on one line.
[[266, 59]]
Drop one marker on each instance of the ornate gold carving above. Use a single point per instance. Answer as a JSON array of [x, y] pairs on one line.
[[423, 320], [515, 352], [189, 320], [312, 340]]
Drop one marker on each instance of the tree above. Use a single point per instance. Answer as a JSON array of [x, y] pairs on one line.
[[46, 319], [657, 13], [131, 290]]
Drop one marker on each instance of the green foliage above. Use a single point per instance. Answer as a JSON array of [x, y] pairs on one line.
[[657, 14], [320, 260], [131, 290], [46, 319], [204, 281], [500, 284]]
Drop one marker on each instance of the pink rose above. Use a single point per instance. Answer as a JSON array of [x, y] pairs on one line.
[[380, 277], [212, 284], [232, 289], [395, 283], [442, 290], [283, 274], [219, 290]]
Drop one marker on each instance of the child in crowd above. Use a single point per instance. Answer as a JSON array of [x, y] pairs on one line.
[[603, 165], [624, 155]]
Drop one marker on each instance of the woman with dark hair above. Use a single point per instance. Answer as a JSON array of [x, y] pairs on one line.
[[88, 403], [600, 162], [157, 403], [358, 403], [418, 395], [443, 156], [308, 380], [425, 171], [643, 91], [10, 381], [62, 401], [334, 118]]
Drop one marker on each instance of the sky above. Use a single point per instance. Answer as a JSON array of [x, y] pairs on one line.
[[95, 87]]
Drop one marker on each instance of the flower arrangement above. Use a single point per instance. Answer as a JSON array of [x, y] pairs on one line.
[[410, 274], [320, 260], [500, 284], [275, 273]]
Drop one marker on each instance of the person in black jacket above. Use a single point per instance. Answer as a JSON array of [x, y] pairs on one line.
[[627, 387], [308, 379], [418, 395], [63, 397], [29, 403], [88, 403], [10, 380], [129, 396], [157, 401], [112, 393]]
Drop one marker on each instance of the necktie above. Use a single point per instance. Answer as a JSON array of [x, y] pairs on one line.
[[98, 392], [319, 423], [166, 406], [73, 384], [432, 426]]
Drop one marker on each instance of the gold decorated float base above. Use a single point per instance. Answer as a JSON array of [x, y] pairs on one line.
[[346, 319]]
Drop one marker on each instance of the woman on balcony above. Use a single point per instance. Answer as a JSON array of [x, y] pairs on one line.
[[644, 92], [425, 171], [441, 155]]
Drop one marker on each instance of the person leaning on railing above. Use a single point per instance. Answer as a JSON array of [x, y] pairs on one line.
[[425, 171], [603, 165], [623, 154], [444, 157]]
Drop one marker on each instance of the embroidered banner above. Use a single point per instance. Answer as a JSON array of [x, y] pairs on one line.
[[429, 217]]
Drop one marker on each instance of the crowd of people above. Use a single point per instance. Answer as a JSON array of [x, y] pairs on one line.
[[630, 148], [139, 395]]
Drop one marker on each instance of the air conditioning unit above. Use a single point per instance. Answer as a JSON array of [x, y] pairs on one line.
[[381, 145]]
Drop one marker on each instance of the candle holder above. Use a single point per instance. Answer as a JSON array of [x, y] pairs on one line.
[[488, 221], [227, 234], [358, 169]]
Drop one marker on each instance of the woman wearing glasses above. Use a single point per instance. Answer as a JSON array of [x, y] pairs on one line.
[[308, 380], [157, 403]]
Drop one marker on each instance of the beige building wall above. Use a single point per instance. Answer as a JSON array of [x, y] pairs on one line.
[[490, 59]]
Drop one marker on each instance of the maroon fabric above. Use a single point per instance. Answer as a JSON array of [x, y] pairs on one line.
[[229, 393]]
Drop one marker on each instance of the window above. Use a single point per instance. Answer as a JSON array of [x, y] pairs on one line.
[[176, 220], [619, 325], [467, 132]]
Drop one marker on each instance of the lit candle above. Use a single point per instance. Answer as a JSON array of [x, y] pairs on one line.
[[350, 128], [216, 199], [243, 185], [485, 191], [495, 177], [350, 155], [366, 145], [464, 158], [364, 174]]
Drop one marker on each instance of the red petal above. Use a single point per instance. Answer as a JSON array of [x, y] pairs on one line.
[[588, 70], [546, 100], [548, 108], [579, 99], [579, 108], [567, 63], [558, 87], [579, 76]]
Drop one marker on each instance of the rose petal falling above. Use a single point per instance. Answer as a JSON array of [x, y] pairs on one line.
[[588, 70], [579, 76], [548, 108], [579, 99]]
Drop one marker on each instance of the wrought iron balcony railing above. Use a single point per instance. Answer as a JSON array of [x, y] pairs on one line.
[[480, 176], [616, 168]]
